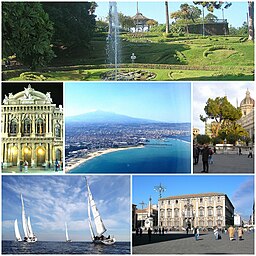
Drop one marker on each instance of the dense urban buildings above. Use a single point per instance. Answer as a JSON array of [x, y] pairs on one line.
[[32, 129], [202, 210]]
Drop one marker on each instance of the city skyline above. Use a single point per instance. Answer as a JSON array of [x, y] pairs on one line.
[[151, 100], [202, 91], [239, 189], [236, 14], [51, 201]]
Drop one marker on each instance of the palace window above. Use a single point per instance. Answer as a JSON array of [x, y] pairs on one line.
[[57, 131], [176, 212], [13, 127], [40, 127], [26, 128], [219, 210], [201, 211], [210, 211]]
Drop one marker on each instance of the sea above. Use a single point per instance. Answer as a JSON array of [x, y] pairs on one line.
[[172, 155], [41, 247]]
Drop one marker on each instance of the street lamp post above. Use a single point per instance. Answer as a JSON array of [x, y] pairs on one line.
[[160, 189]]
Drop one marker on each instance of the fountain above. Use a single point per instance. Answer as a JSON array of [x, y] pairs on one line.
[[113, 40], [113, 51]]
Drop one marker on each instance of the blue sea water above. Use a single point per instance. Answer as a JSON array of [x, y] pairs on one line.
[[41, 247], [172, 155]]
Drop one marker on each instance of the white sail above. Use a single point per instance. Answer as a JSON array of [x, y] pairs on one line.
[[30, 231], [67, 237], [17, 232], [24, 220], [89, 219], [100, 228]]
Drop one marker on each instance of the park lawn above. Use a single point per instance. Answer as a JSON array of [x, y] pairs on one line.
[[161, 75]]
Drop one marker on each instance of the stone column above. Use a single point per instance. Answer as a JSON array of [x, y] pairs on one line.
[[33, 155]]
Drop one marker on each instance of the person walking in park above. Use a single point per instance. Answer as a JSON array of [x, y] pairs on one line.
[[205, 156], [210, 158], [231, 233], [240, 233], [239, 151]]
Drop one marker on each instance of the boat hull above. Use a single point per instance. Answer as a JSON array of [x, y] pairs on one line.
[[109, 241]]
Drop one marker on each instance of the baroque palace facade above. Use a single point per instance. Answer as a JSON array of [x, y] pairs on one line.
[[196, 210], [32, 129]]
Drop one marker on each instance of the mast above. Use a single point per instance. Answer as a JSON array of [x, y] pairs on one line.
[[17, 232], [100, 228]]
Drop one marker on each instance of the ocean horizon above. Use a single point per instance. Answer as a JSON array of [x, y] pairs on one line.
[[169, 155]]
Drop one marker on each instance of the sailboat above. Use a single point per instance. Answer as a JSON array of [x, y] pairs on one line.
[[97, 235], [67, 237], [17, 232], [29, 236]]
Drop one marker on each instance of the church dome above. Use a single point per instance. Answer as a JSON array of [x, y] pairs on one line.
[[247, 100]]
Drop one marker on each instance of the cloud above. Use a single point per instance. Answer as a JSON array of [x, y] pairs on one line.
[[243, 198]]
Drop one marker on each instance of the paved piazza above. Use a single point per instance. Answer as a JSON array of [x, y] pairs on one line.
[[180, 243], [231, 163]]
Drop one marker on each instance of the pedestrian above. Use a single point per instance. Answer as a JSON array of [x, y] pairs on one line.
[[21, 165], [149, 235], [205, 156], [140, 231], [159, 231], [214, 150], [250, 153], [26, 166], [210, 158], [239, 151], [56, 165], [137, 231], [196, 232], [162, 230], [231, 233], [198, 153], [187, 229], [240, 233], [195, 154], [216, 233]]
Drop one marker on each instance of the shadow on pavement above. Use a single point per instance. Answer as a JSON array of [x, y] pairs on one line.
[[155, 238]]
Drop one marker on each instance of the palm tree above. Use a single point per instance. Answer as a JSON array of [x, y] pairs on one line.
[[167, 27], [251, 20]]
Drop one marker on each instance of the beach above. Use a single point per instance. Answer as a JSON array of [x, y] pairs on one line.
[[72, 164]]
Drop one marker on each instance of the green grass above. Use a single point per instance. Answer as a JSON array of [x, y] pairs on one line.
[[215, 57], [161, 75]]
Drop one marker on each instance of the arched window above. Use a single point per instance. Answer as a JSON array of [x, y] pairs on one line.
[[13, 127], [40, 127], [57, 131], [26, 126]]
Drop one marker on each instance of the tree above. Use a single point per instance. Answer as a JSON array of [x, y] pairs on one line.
[[27, 32], [74, 22], [203, 139], [251, 20], [151, 23], [167, 28], [213, 5], [211, 18], [222, 112], [126, 22], [187, 14]]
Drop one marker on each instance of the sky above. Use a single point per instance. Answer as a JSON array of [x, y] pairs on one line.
[[236, 14], [52, 200], [165, 101], [235, 92], [239, 188]]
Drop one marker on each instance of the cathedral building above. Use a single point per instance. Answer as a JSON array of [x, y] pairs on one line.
[[247, 119], [31, 127], [205, 210]]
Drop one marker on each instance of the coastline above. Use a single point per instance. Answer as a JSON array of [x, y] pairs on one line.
[[90, 156]]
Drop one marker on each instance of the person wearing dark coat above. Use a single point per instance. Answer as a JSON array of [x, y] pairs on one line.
[[205, 157]]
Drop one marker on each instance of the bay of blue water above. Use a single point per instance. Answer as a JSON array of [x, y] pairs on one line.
[[41, 247], [158, 156]]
